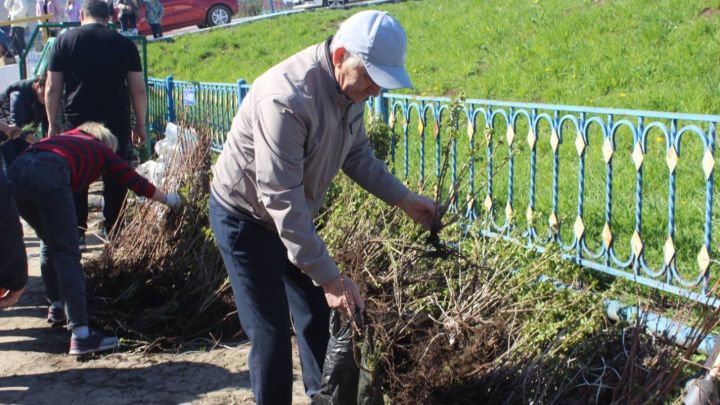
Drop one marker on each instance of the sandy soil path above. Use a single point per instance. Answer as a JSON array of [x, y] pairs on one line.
[[36, 369]]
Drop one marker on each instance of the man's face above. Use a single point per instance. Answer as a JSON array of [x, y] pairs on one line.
[[355, 81]]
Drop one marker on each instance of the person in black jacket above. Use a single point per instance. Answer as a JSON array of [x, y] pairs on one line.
[[21, 104]]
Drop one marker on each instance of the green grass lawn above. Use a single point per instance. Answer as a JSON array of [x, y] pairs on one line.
[[657, 55], [645, 55]]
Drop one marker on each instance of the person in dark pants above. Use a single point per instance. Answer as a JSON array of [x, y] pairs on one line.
[[154, 12], [101, 75], [17, 9], [44, 177], [128, 14], [6, 47], [13, 266], [23, 103], [302, 122]]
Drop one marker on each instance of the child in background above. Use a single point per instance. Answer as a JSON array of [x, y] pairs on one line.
[[154, 12]]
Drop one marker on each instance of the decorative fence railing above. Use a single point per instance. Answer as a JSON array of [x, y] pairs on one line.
[[210, 105], [628, 193]]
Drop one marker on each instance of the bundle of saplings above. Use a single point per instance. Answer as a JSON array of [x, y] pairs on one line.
[[161, 281], [452, 317], [457, 318]]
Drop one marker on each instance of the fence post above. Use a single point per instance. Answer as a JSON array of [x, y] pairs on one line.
[[241, 91], [381, 106], [169, 86]]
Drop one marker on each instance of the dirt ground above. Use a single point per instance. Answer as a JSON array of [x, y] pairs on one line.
[[36, 369]]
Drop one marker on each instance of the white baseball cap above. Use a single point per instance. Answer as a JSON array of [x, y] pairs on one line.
[[380, 41]]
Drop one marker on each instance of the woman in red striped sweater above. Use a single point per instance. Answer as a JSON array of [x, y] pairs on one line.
[[44, 178]]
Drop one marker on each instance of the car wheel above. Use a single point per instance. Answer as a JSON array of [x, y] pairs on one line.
[[218, 15]]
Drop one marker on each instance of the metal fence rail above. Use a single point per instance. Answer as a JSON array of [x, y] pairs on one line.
[[625, 192], [195, 104], [545, 138]]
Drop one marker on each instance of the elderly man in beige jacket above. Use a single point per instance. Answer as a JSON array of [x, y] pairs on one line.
[[301, 123]]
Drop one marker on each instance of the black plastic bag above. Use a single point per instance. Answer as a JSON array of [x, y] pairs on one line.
[[343, 381]]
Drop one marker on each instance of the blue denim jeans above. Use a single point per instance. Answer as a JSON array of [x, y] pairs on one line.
[[265, 284], [13, 265], [42, 192]]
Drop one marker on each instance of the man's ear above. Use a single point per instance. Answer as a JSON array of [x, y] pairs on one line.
[[338, 55]]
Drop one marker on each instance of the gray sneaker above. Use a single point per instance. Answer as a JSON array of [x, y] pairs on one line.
[[95, 342]]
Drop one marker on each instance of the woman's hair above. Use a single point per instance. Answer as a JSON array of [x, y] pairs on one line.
[[101, 133]]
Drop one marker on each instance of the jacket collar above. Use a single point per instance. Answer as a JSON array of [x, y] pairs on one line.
[[325, 59]]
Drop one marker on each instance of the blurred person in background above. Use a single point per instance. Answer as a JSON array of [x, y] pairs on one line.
[[4, 16], [17, 9], [127, 9], [154, 12], [72, 10], [54, 9], [7, 54]]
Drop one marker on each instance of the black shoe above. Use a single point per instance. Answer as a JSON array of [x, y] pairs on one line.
[[56, 316]]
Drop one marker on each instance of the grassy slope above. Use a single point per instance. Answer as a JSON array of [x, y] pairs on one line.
[[655, 55], [659, 55]]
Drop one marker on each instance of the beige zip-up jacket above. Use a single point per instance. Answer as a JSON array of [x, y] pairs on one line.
[[293, 133]]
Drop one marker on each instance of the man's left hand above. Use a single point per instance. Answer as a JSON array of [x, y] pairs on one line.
[[421, 209], [138, 136]]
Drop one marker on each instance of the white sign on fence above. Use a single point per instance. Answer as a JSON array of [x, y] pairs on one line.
[[189, 96]]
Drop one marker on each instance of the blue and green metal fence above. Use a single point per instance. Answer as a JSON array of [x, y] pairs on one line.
[[574, 172], [207, 105]]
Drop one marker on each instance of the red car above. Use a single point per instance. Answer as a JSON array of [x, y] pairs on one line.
[[184, 13]]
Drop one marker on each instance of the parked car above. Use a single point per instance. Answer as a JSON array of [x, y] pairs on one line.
[[184, 13]]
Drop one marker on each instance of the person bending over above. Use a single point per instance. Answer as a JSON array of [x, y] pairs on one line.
[[44, 178]]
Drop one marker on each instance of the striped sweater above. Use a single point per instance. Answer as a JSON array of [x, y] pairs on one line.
[[88, 158]]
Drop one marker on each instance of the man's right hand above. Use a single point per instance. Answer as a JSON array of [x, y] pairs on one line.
[[138, 136], [342, 294]]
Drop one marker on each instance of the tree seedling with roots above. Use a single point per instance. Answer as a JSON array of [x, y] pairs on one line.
[[445, 201]]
